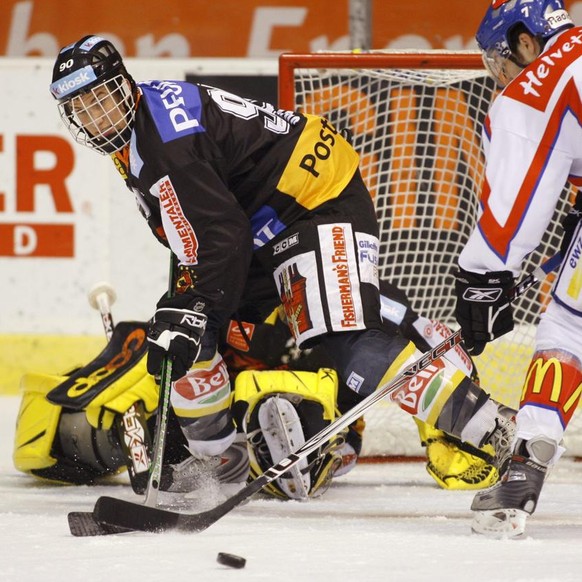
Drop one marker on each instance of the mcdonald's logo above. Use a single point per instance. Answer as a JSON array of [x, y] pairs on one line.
[[538, 370], [553, 383]]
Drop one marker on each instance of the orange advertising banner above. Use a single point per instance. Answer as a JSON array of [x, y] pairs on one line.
[[37, 240], [232, 28]]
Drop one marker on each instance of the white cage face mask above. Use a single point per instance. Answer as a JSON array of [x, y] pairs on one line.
[[502, 69], [102, 117]]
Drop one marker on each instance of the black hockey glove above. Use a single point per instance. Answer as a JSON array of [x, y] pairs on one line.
[[570, 223], [483, 307], [175, 330]]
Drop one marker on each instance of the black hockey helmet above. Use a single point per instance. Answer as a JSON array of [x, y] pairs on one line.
[[96, 96]]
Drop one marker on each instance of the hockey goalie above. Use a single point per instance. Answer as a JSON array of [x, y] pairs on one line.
[[97, 421]]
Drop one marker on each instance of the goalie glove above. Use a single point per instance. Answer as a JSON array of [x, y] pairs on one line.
[[176, 331], [483, 308]]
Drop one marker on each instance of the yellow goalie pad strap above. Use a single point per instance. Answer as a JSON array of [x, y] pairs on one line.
[[277, 313], [451, 467], [320, 386], [36, 424], [117, 398], [136, 380]]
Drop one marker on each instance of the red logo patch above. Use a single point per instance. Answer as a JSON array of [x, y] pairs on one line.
[[235, 337]]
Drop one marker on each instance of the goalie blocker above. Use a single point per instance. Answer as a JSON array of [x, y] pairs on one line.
[[68, 427]]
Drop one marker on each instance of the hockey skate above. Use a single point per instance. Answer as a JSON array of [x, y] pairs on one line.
[[199, 473], [283, 434], [502, 510], [352, 447]]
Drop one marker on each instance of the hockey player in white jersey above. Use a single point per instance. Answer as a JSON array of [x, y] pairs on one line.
[[533, 146]]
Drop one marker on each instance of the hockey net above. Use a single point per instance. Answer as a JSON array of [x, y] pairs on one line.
[[416, 121]]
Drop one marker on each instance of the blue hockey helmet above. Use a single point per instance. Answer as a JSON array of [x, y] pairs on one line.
[[96, 96], [541, 18]]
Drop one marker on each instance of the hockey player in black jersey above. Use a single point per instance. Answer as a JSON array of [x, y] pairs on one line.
[[260, 207]]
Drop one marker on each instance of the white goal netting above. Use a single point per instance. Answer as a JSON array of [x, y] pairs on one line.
[[416, 121]]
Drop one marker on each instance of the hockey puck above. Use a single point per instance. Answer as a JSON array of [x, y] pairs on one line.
[[230, 560]]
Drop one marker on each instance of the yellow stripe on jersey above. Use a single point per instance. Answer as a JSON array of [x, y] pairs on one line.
[[321, 164], [575, 285]]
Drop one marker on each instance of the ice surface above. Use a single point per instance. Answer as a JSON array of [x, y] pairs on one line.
[[384, 522]]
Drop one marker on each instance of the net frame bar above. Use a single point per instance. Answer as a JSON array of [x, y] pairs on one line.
[[288, 62]]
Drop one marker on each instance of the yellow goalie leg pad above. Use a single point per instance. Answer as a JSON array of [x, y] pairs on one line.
[[321, 386], [451, 465], [254, 387], [36, 424], [134, 386]]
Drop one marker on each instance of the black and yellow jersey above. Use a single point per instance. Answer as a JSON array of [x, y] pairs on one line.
[[217, 175]]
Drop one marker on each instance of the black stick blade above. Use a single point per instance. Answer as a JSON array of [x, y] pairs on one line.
[[83, 524], [126, 515], [110, 511]]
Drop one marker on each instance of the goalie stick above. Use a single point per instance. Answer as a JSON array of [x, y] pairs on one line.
[[112, 515], [101, 297]]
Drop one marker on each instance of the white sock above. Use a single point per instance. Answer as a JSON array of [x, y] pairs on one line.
[[481, 424]]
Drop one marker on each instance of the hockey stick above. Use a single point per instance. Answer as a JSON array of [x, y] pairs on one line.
[[83, 523], [537, 275], [155, 475], [131, 425], [111, 512]]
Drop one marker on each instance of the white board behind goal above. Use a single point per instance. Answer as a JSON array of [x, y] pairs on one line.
[[415, 119]]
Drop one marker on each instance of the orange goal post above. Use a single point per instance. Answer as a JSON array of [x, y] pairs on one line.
[[415, 118]]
